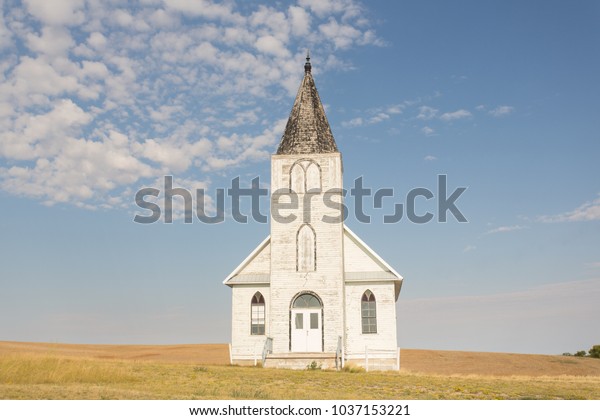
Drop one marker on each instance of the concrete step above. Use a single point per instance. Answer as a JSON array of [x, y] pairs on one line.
[[300, 360], [319, 355]]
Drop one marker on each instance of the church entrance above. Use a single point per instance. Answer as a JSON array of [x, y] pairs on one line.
[[307, 324]]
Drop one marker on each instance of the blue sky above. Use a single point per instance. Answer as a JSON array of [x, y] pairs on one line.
[[99, 99]]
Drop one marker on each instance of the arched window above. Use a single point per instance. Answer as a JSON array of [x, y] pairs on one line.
[[313, 178], [306, 249], [258, 314], [369, 313], [297, 179], [306, 301], [305, 176]]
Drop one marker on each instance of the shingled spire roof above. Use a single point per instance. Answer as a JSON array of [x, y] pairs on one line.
[[307, 130]]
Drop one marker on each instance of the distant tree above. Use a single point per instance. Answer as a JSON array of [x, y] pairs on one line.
[[580, 353], [567, 354], [595, 351]]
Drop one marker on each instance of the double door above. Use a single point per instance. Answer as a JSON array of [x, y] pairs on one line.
[[306, 330]]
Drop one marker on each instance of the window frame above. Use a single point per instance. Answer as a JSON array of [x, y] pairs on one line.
[[257, 308], [312, 267], [299, 177], [368, 313]]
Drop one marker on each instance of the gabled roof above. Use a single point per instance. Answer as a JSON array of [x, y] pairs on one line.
[[361, 265], [373, 268], [307, 130], [376, 258], [239, 276]]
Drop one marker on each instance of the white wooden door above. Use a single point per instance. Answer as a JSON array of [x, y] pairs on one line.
[[306, 330]]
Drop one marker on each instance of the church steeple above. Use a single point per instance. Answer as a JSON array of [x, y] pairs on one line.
[[307, 130]]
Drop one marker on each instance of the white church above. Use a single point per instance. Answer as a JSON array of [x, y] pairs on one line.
[[312, 291]]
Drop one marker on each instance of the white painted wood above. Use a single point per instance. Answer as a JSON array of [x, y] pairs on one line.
[[261, 263], [243, 344], [385, 338], [373, 253], [357, 259]]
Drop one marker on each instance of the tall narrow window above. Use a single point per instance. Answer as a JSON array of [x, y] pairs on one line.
[[369, 313], [306, 249], [258, 314], [297, 181], [313, 178]]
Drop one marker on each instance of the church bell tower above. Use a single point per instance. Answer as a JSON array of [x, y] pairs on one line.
[[307, 279]]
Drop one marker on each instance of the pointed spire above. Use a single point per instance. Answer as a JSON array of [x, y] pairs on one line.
[[307, 130]]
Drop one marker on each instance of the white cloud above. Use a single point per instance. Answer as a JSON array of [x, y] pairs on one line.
[[237, 35], [587, 212], [202, 8], [33, 81], [343, 36], [323, 8], [395, 109], [469, 248], [275, 22], [503, 229], [122, 17], [379, 117], [206, 52], [5, 35], [429, 158], [456, 115], [426, 113], [300, 21], [80, 170], [53, 41], [428, 131], [101, 100], [94, 70], [97, 40], [501, 111], [172, 157], [354, 122], [160, 18], [270, 45], [57, 12]]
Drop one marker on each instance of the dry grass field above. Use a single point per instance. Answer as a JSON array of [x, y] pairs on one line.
[[60, 371]]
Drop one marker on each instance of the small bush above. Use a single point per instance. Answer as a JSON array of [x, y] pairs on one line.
[[353, 369], [580, 353], [313, 366]]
